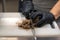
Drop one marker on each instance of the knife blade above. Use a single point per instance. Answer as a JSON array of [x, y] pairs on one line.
[[33, 30]]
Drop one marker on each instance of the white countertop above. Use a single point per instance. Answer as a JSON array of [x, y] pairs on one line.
[[8, 27]]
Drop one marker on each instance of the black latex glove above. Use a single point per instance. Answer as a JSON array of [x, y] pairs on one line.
[[26, 6], [44, 18]]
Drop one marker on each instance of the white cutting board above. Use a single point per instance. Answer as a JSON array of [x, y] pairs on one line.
[[8, 27]]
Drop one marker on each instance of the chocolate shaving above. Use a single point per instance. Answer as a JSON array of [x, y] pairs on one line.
[[27, 23]]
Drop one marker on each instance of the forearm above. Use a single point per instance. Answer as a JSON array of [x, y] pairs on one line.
[[56, 10]]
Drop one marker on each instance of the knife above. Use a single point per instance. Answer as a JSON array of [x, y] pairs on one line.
[[33, 30]]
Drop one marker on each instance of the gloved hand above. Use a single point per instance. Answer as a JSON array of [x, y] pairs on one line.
[[44, 18], [26, 6]]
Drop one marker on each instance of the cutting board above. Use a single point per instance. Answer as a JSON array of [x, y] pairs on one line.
[[8, 27]]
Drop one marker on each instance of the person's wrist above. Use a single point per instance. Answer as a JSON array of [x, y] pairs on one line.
[[55, 15]]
